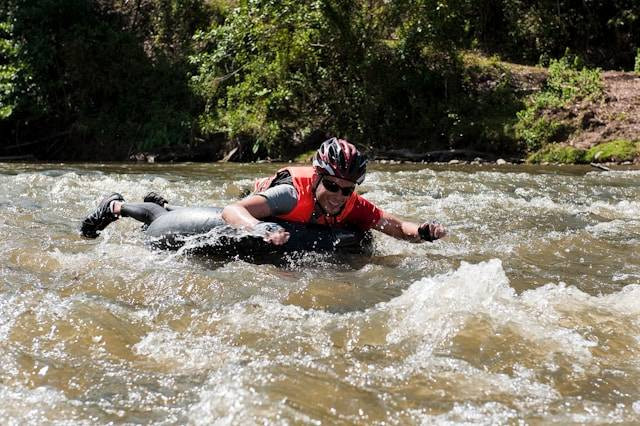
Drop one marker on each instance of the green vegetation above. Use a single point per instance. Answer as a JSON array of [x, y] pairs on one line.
[[568, 82], [636, 68], [490, 105], [9, 70], [618, 150], [81, 82], [554, 153], [89, 79], [276, 72], [537, 131]]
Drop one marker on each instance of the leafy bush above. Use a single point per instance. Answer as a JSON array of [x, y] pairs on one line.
[[274, 72], [567, 82], [537, 132], [87, 80], [10, 69], [636, 68], [254, 71]]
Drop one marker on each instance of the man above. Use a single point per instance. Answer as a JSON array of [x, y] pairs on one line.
[[323, 193]]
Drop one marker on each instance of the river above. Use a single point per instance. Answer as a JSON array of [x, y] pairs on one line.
[[529, 311]]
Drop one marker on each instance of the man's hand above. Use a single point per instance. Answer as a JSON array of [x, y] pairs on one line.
[[431, 231], [271, 233], [277, 238]]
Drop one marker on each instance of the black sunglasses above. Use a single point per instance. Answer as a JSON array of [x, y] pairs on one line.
[[334, 187]]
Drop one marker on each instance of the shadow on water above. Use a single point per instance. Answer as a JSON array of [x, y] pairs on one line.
[[288, 260]]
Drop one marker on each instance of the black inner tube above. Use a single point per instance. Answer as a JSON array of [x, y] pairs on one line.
[[202, 230]]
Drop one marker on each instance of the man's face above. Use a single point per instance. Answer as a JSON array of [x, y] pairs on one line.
[[330, 193]]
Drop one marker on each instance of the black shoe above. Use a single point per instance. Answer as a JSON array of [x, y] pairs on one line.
[[154, 197], [100, 218]]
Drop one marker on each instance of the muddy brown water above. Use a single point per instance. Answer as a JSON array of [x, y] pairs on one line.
[[528, 312]]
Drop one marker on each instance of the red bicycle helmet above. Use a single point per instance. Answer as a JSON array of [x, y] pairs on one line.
[[339, 158]]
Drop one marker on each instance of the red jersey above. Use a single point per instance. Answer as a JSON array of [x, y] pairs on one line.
[[357, 211]]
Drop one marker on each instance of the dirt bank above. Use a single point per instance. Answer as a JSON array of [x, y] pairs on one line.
[[616, 116]]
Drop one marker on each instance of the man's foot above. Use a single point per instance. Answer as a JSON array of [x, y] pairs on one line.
[[100, 217], [154, 197]]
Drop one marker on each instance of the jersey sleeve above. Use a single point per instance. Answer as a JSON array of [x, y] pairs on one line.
[[281, 198], [364, 214]]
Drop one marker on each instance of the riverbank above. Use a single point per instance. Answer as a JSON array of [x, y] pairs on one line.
[[600, 129], [604, 129], [219, 80]]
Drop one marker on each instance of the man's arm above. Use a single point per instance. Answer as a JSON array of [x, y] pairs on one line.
[[410, 231], [247, 213]]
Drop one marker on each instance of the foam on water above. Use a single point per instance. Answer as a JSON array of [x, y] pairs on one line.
[[431, 299], [630, 229], [37, 406], [175, 352], [434, 308], [433, 311], [428, 315], [624, 209], [11, 307], [231, 398]]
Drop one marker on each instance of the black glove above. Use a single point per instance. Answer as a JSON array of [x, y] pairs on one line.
[[425, 232]]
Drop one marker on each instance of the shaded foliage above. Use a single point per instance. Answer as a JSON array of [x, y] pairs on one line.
[[90, 79], [84, 87], [603, 32]]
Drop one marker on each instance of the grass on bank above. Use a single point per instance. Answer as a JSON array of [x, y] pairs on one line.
[[613, 151]]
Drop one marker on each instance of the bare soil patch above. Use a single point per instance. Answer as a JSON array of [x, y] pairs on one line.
[[616, 116]]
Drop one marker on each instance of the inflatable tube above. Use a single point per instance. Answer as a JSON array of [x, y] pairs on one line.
[[202, 230]]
